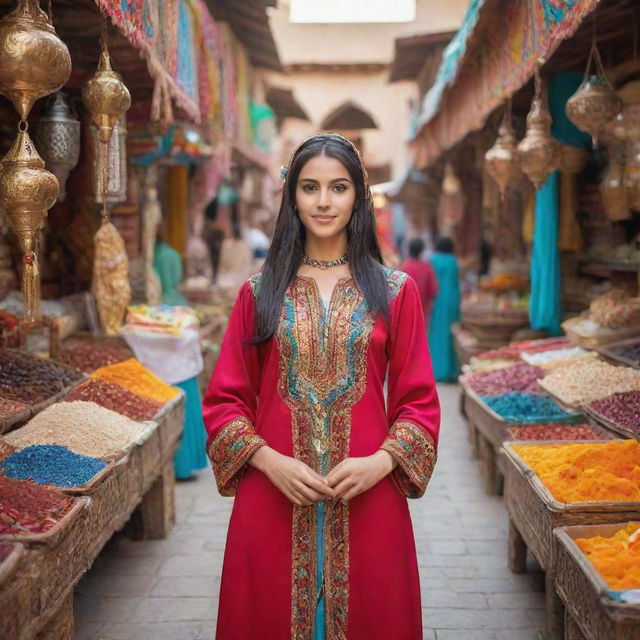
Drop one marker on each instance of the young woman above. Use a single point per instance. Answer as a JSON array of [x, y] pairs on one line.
[[320, 543]]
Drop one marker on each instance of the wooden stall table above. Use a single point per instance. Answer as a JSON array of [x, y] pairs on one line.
[[487, 432], [533, 515], [589, 613], [139, 490]]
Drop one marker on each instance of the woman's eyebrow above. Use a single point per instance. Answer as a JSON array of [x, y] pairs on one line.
[[331, 182]]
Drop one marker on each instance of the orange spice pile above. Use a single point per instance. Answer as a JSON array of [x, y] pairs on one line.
[[132, 375], [586, 472], [617, 558]]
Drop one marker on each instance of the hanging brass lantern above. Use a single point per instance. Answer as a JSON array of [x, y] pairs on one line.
[[34, 62], [595, 103], [105, 97], [116, 165], [501, 161], [539, 151], [27, 192], [58, 140]]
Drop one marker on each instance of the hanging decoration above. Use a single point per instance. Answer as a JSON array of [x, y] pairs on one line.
[[595, 103], [116, 191], [572, 162], [539, 152], [626, 127], [58, 139], [501, 161], [107, 99], [34, 62]]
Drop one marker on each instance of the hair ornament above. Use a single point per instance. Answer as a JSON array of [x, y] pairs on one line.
[[283, 173]]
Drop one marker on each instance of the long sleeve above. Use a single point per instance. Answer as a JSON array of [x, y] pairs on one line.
[[230, 403], [413, 406]]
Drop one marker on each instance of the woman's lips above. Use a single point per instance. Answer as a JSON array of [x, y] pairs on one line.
[[324, 219]]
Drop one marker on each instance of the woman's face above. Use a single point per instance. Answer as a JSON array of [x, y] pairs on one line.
[[325, 195]]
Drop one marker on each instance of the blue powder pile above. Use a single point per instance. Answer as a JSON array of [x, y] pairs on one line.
[[51, 464], [524, 407]]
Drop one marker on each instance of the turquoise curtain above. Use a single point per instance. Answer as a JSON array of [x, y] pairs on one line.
[[446, 311], [545, 306]]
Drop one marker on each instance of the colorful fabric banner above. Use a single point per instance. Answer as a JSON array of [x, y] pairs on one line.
[[488, 62]]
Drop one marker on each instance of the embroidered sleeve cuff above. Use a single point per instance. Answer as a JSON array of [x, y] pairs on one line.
[[230, 451], [415, 453]]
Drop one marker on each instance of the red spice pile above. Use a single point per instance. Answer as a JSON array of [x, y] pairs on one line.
[[27, 507], [518, 377], [555, 431], [621, 408], [89, 357], [112, 396]]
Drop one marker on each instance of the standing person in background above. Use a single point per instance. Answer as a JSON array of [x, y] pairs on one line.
[[422, 272], [446, 311]]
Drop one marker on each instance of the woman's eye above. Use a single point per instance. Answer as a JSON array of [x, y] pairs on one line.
[[340, 188], [308, 187]]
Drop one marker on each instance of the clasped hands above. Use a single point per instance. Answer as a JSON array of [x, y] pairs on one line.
[[303, 486]]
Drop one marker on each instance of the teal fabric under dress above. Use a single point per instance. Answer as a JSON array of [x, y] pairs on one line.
[[191, 454], [167, 263], [446, 311]]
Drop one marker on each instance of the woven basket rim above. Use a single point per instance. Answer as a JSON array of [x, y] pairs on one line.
[[9, 565], [610, 425]]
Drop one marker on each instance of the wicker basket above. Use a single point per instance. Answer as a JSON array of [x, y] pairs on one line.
[[607, 352], [19, 598], [494, 327], [604, 337], [10, 564], [535, 512], [60, 624], [51, 537], [610, 425], [582, 589], [170, 421]]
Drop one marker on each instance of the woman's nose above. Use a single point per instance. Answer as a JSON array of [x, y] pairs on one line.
[[324, 199]]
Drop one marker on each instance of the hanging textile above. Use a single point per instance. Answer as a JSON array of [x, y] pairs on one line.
[[545, 306]]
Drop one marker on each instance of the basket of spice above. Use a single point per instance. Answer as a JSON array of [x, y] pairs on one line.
[[581, 383], [626, 352], [619, 412], [598, 568], [58, 467], [32, 382], [90, 354], [549, 485]]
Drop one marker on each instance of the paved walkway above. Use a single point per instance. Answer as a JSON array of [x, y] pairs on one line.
[[167, 589]]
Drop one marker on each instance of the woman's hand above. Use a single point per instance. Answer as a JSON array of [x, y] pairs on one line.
[[298, 482], [354, 476]]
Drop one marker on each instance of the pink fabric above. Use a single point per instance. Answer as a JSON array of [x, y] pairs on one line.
[[423, 274]]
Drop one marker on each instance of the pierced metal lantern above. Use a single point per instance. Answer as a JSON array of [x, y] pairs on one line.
[[539, 151], [58, 140], [34, 62], [27, 192], [116, 165], [501, 161]]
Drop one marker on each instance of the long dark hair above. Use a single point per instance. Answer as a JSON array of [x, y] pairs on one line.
[[287, 248]]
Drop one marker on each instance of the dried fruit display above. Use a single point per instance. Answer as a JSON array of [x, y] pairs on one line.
[[28, 379], [615, 309], [590, 380], [519, 377], [89, 357], [621, 408]]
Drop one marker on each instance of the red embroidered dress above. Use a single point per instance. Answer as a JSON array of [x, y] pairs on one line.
[[316, 392]]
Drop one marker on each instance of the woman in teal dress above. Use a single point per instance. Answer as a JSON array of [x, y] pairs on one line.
[[446, 311], [191, 455]]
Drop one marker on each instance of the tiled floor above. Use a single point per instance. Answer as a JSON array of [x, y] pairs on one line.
[[167, 589]]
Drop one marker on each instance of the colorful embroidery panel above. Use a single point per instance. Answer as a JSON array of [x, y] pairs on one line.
[[322, 374], [415, 452], [230, 451]]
